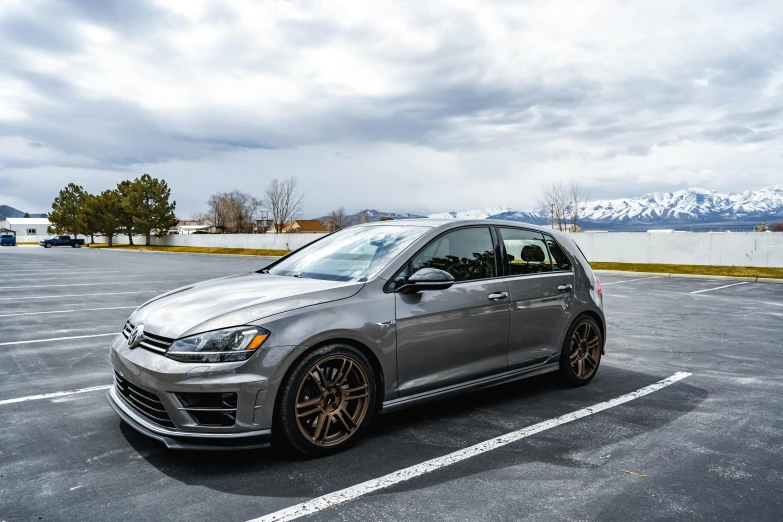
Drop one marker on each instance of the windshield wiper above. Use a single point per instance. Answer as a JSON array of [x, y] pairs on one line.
[[300, 276], [263, 271]]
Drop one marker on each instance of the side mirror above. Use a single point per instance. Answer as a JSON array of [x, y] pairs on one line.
[[427, 279]]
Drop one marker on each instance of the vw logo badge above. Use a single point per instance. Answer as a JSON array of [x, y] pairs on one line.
[[136, 336]]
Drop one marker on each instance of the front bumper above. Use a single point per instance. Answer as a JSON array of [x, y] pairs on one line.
[[148, 395], [177, 439]]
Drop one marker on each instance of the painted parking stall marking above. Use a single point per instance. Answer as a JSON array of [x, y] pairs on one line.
[[74, 310], [359, 490], [629, 280], [10, 343], [73, 295], [54, 395], [718, 288]]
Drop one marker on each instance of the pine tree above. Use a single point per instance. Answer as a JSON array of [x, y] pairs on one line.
[[125, 188], [147, 203], [68, 210], [105, 210]]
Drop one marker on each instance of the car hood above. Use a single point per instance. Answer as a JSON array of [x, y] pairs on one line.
[[232, 301]]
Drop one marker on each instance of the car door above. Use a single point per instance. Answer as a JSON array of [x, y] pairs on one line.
[[449, 336], [541, 284]]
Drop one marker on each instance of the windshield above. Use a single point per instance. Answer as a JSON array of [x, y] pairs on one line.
[[352, 254]]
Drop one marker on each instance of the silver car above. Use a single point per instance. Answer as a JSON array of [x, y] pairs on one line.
[[367, 320]]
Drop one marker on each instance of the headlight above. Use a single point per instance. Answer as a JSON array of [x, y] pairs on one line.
[[231, 344]]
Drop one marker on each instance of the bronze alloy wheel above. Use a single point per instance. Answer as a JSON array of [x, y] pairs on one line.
[[332, 400], [585, 350]]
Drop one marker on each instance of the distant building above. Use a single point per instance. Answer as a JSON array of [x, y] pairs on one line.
[[566, 228], [191, 226], [302, 226], [28, 230]]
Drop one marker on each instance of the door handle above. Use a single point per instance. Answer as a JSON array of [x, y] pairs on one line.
[[498, 296], [565, 288]]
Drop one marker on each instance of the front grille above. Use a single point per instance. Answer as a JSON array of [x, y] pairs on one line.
[[210, 409], [143, 401], [151, 342]]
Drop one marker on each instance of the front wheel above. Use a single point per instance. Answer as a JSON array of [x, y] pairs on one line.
[[326, 401], [47, 245], [581, 353]]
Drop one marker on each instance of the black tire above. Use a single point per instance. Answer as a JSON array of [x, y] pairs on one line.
[[288, 429], [590, 356], [47, 245], [74, 245]]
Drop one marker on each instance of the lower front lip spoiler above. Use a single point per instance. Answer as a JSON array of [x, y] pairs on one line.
[[188, 440]]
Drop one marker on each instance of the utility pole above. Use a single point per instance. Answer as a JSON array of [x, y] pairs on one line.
[[552, 212]]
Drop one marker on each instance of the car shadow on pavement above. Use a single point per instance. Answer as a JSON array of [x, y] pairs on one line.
[[411, 436]]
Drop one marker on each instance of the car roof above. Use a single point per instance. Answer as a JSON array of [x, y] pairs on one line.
[[455, 223]]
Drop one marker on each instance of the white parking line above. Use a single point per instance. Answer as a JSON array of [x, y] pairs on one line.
[[9, 343], [353, 492], [54, 395], [628, 280], [69, 311], [72, 295], [718, 287], [78, 284], [58, 271]]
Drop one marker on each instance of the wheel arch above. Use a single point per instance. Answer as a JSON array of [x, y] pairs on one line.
[[598, 319], [365, 350]]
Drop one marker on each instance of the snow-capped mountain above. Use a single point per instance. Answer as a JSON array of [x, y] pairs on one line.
[[689, 208]]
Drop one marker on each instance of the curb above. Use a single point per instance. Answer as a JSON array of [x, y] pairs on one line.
[[189, 253], [694, 276]]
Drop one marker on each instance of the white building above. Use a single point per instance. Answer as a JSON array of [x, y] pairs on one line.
[[28, 230]]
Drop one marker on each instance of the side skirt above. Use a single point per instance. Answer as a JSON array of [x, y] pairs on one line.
[[456, 389]]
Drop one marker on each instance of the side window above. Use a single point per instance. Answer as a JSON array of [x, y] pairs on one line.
[[466, 254], [526, 251], [561, 261]]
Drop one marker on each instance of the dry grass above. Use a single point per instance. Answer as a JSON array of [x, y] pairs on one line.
[[735, 271], [198, 250]]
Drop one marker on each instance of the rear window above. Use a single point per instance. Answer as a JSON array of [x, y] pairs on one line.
[[526, 251], [560, 260]]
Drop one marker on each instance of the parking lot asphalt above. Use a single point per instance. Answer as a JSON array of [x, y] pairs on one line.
[[708, 447]]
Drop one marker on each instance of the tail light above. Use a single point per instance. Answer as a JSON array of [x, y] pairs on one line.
[[598, 286]]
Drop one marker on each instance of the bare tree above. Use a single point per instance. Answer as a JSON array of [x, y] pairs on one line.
[[217, 211], [242, 208], [553, 202], [578, 197], [563, 204], [337, 220], [283, 200], [363, 217]]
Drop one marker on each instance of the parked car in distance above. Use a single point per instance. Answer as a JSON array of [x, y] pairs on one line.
[[367, 320], [61, 241], [7, 240]]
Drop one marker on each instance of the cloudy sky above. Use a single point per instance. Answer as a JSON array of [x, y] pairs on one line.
[[400, 106]]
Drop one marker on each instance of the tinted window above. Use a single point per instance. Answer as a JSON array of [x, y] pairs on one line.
[[526, 251], [561, 261], [466, 254]]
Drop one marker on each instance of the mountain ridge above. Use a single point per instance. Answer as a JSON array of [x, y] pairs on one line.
[[693, 208]]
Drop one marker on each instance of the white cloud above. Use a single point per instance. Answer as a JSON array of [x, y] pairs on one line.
[[432, 106]]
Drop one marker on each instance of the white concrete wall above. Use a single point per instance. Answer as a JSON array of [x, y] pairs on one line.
[[260, 241], [687, 248]]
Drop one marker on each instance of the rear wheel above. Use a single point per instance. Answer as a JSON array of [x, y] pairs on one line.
[[326, 401], [581, 353]]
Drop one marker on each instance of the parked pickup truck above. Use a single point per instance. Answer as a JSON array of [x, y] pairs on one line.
[[61, 241], [7, 240]]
